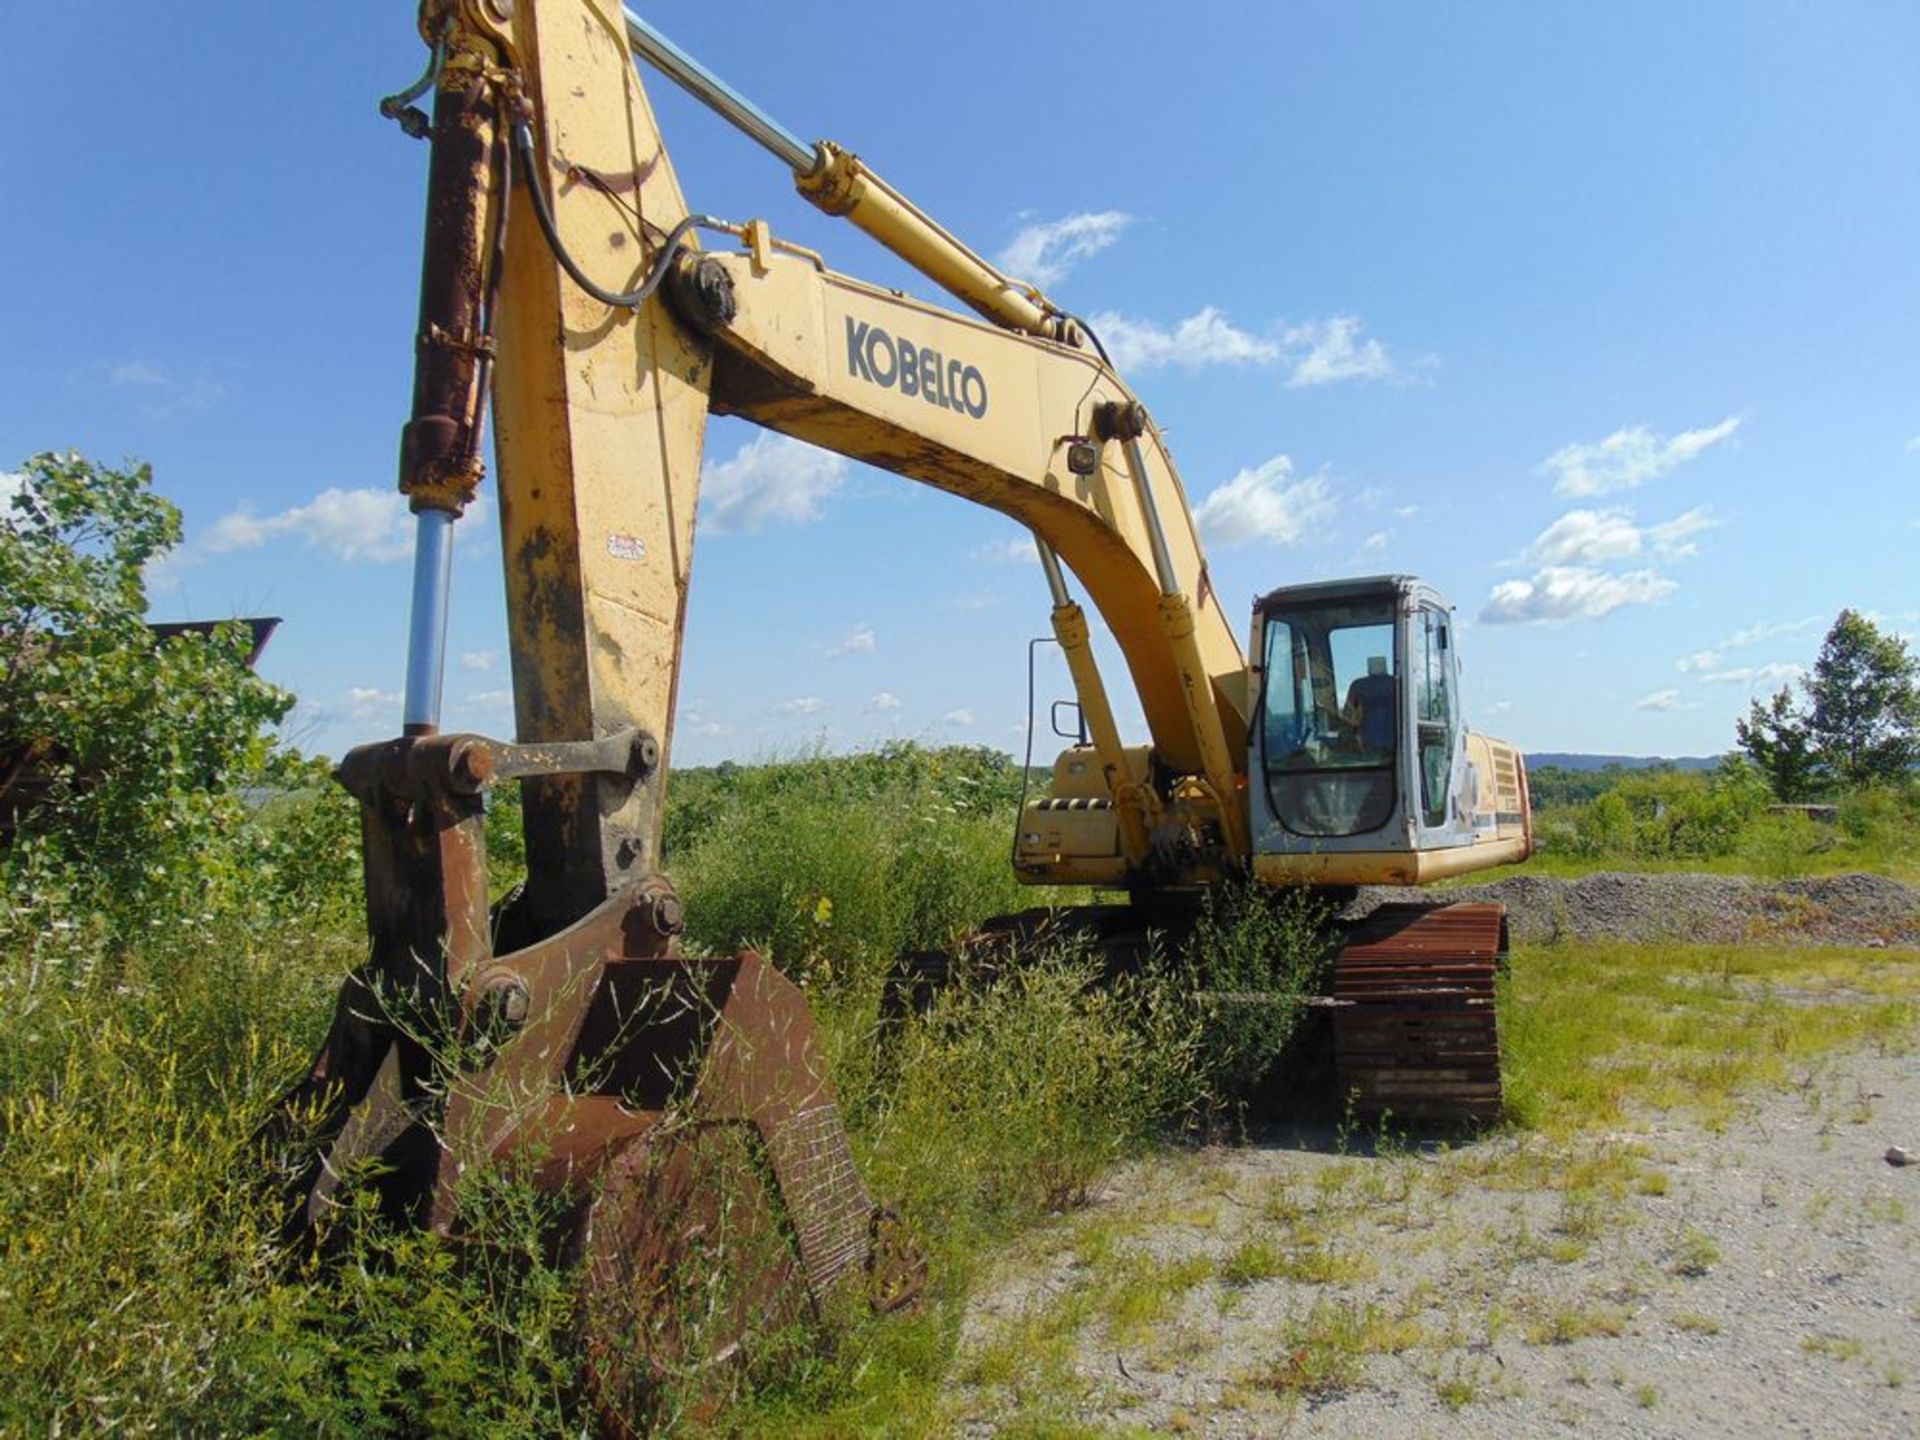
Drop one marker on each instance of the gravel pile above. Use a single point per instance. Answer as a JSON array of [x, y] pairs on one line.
[[1694, 909]]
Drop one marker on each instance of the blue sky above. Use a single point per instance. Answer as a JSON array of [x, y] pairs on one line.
[[1603, 318]]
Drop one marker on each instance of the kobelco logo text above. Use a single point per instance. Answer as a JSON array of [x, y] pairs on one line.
[[873, 354]]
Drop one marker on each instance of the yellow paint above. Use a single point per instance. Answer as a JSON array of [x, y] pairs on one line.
[[600, 422]]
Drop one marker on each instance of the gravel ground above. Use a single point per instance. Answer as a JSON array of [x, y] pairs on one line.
[[1699, 909], [1762, 1279]]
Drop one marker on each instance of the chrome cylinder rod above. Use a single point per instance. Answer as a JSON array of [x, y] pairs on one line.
[[1056, 581], [427, 634], [713, 92], [1156, 533]]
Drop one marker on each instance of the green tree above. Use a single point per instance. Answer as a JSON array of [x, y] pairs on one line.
[[146, 744], [1775, 737], [1858, 722], [1865, 694]]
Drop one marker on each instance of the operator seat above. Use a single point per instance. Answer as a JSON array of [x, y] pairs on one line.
[[1370, 707]]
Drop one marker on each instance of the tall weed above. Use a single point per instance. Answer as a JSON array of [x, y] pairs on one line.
[[1254, 956]]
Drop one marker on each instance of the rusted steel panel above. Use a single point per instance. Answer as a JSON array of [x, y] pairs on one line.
[[1416, 1032], [681, 1106]]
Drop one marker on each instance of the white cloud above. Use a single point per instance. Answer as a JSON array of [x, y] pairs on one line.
[[1628, 458], [479, 660], [1332, 354], [1498, 707], [1205, 338], [1913, 445], [1662, 700], [136, 372], [365, 701], [1571, 592], [1043, 254], [772, 480], [1265, 503], [1755, 675], [883, 702], [363, 524], [12, 482], [691, 721], [491, 699], [1018, 550], [1671, 538], [861, 642], [1769, 630], [962, 716], [1699, 660], [974, 600], [1376, 542], [1586, 537], [163, 394], [1316, 352], [801, 705]]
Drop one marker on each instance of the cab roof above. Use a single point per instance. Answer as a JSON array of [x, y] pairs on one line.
[[1363, 587]]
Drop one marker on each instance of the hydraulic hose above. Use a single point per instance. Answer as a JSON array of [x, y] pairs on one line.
[[543, 213]]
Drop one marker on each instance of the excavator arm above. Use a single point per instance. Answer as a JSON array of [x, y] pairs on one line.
[[600, 399], [677, 1107], [1033, 428]]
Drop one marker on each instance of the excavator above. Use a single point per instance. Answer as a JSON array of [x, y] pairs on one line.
[[675, 1104]]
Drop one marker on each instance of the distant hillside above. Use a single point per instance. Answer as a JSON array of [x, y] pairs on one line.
[[1569, 761]]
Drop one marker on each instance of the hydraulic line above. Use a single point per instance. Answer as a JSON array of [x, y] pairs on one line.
[[840, 183], [543, 213], [718, 96]]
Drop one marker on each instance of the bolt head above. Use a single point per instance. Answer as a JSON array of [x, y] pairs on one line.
[[646, 754], [667, 915], [509, 1000]]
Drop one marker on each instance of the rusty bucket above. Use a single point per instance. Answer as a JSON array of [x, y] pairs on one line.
[[677, 1106]]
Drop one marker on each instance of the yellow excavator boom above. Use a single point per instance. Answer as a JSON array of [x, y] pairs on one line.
[[679, 1104]]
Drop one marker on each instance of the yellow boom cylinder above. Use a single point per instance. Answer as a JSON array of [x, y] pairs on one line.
[[843, 184]]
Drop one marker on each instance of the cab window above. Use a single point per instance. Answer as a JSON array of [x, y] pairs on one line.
[[1330, 721], [1433, 712]]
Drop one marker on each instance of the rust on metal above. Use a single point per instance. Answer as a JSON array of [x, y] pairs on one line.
[[440, 446], [679, 1107], [1413, 1021]]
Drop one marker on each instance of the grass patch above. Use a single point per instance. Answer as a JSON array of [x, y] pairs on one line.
[[1578, 1322], [1835, 1347], [1307, 1263], [1324, 1352], [1694, 1254], [1591, 1030]]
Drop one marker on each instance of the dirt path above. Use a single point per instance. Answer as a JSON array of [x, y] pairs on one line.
[[1762, 1280]]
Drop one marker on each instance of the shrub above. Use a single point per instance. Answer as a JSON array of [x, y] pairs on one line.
[[1011, 1100], [835, 865], [149, 747], [1252, 954], [1779, 846], [1667, 815]]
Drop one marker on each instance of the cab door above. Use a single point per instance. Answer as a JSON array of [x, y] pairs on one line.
[[1436, 716]]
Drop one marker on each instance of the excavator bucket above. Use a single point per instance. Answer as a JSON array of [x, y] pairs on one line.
[[678, 1108]]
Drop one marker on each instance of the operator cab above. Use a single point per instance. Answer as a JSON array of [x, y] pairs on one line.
[[1358, 746]]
